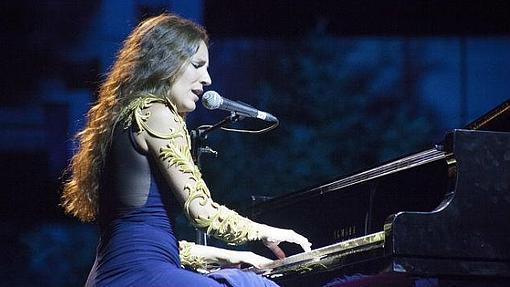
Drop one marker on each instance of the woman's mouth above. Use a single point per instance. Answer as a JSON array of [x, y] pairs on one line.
[[197, 93]]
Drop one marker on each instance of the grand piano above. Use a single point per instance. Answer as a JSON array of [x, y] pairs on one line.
[[441, 215]]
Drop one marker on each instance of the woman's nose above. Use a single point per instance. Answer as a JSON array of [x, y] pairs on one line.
[[206, 79]]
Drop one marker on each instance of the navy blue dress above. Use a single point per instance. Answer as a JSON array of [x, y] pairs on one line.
[[137, 246]]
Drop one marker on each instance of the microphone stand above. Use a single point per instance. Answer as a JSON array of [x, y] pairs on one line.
[[199, 146]]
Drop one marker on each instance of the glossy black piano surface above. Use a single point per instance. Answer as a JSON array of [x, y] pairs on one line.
[[441, 213]]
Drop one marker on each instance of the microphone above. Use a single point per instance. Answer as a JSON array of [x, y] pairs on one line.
[[212, 100]]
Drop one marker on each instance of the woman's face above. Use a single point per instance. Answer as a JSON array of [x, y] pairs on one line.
[[189, 86]]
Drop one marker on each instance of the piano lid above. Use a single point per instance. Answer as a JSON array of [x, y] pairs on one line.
[[497, 119]]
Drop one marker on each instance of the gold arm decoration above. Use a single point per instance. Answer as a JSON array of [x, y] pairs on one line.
[[190, 261], [135, 111], [228, 225], [224, 224]]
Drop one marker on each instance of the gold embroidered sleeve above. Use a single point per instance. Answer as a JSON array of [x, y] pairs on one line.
[[188, 260], [173, 149], [222, 222]]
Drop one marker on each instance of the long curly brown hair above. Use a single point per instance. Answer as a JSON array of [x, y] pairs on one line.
[[150, 60]]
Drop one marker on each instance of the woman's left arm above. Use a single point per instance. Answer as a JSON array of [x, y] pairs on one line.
[[162, 133]]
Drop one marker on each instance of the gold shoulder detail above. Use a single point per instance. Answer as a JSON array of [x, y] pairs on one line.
[[136, 114]]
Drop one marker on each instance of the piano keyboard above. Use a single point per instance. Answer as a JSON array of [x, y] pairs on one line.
[[324, 258]]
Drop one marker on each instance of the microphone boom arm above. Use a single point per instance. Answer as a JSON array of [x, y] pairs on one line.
[[199, 137]]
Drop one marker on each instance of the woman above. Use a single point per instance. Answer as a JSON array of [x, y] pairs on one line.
[[133, 170]]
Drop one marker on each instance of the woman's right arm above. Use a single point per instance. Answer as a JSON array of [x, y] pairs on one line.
[[200, 257]]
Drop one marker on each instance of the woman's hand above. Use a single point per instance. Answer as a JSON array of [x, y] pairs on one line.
[[236, 258], [213, 256], [272, 236]]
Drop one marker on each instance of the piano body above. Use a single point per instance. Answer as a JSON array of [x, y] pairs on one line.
[[442, 213]]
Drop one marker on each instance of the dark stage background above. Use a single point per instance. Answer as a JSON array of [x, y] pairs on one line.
[[354, 83]]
